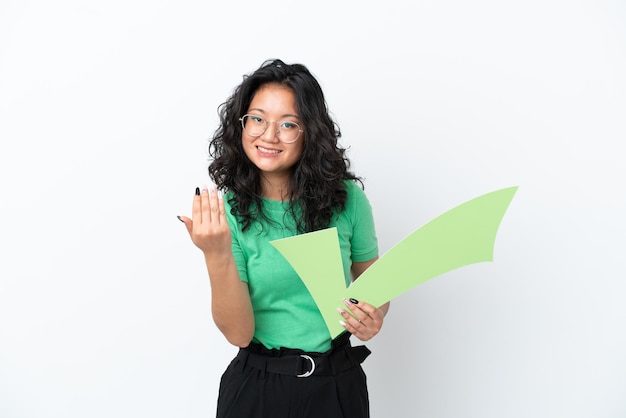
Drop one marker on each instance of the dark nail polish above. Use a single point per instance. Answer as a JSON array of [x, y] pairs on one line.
[[354, 301], [179, 218], [197, 191]]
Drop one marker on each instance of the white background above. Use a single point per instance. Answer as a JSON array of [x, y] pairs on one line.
[[105, 113]]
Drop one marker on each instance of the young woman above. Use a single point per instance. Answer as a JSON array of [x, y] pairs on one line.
[[276, 158]]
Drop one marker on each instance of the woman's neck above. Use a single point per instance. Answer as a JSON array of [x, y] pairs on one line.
[[275, 189]]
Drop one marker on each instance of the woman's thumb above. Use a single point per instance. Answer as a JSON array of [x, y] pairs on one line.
[[188, 223]]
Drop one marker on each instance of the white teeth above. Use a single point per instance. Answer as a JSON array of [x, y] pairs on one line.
[[268, 151]]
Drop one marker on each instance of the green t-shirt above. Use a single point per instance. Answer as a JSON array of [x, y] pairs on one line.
[[285, 314]]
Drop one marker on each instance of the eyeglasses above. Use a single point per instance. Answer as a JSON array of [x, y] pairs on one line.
[[286, 130]]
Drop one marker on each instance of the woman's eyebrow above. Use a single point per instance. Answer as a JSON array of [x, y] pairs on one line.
[[256, 109]]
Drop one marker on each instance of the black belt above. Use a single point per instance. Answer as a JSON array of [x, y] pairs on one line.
[[307, 364]]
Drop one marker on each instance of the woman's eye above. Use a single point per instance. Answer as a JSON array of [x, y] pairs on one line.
[[289, 125]]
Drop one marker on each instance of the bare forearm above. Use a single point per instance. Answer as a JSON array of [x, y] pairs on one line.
[[358, 268], [230, 301], [385, 308]]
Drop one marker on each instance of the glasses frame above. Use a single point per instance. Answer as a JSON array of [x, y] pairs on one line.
[[267, 124]]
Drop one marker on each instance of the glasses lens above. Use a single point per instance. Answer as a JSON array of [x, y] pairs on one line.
[[253, 125], [288, 131]]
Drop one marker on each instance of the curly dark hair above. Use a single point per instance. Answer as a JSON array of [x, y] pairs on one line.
[[316, 190]]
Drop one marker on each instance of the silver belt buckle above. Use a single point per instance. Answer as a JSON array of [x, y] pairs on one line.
[[310, 372]]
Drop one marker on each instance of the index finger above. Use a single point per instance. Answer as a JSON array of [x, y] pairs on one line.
[[363, 306]]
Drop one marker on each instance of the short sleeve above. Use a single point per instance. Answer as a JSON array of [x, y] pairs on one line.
[[364, 242]]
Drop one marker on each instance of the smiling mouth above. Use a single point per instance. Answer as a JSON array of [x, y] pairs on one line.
[[268, 151]]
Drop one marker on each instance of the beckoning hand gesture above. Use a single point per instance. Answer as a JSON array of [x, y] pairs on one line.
[[208, 227]]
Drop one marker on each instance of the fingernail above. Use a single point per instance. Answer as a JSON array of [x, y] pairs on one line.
[[212, 189], [354, 301], [180, 219], [343, 324], [197, 191], [204, 189], [341, 312]]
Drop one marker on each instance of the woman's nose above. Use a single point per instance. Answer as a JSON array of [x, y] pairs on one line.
[[271, 133]]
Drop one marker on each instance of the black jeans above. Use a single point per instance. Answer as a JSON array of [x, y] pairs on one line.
[[288, 383]]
